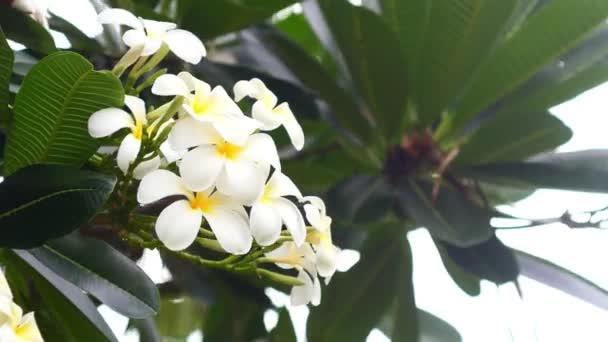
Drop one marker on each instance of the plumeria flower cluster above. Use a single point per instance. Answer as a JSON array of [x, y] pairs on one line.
[[201, 147], [14, 325]]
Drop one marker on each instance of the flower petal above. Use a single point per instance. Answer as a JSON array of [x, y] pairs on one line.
[[261, 148], [160, 184], [134, 38], [171, 154], [151, 45], [178, 224], [265, 224], [234, 128], [231, 229], [280, 186], [243, 180], [315, 298], [107, 121], [5, 290], [200, 167], [157, 27], [327, 259], [137, 107], [146, 167], [301, 295], [242, 89], [265, 116], [293, 128], [127, 152], [194, 83], [119, 16], [189, 132], [28, 329], [185, 45], [292, 218], [170, 85]]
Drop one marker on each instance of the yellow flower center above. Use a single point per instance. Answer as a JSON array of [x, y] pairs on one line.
[[202, 202], [138, 130], [228, 150], [316, 237], [267, 195], [292, 259]]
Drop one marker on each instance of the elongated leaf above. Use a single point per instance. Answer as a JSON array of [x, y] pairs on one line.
[[18, 26], [284, 331], [347, 312], [103, 272], [434, 329], [360, 198], [210, 18], [318, 80], [78, 39], [363, 38], [405, 326], [528, 50], [76, 313], [459, 37], [52, 109], [562, 279], [465, 281], [451, 217], [43, 202], [577, 171], [6, 65], [513, 136], [490, 260]]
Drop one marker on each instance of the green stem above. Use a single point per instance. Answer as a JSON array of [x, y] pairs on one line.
[[149, 81]]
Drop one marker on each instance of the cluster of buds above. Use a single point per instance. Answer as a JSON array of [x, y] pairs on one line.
[[14, 325], [200, 145]]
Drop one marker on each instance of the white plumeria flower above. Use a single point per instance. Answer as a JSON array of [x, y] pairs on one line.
[[326, 252], [14, 326], [302, 258], [178, 224], [204, 104], [153, 34], [271, 211], [107, 121], [266, 111], [236, 171]]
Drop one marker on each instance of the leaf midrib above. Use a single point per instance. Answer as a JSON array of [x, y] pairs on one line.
[[43, 198]]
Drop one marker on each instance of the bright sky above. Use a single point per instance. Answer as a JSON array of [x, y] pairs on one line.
[[498, 314]]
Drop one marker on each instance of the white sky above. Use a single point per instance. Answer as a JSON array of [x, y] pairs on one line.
[[498, 314]]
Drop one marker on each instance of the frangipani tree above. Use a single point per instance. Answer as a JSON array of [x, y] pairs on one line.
[[222, 133]]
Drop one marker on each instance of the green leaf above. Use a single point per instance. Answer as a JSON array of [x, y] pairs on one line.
[[235, 318], [52, 109], [562, 279], [18, 26], [179, 317], [490, 260], [464, 280], [43, 202], [6, 66], [284, 331], [349, 313], [363, 38], [78, 39], [433, 328], [450, 217], [577, 171], [103, 272], [405, 326], [509, 136], [459, 37], [360, 198], [528, 50], [75, 314], [318, 80], [211, 18]]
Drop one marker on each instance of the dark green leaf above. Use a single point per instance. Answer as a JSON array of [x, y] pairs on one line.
[[77, 38], [233, 318], [52, 109], [146, 328], [6, 65], [490, 260], [103, 272], [318, 80], [562, 279], [347, 312], [76, 314], [577, 171], [361, 199], [284, 331], [405, 327], [43, 202], [465, 281], [18, 26], [450, 217], [363, 38], [509, 136], [211, 18], [179, 317], [459, 37], [434, 329], [528, 50]]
